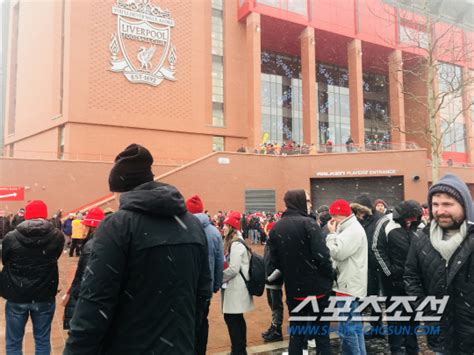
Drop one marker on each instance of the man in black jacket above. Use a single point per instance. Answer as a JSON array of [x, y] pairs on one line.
[[148, 277], [391, 243], [440, 263], [274, 286], [368, 217], [30, 277], [299, 251]]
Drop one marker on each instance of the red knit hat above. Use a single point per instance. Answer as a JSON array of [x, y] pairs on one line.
[[194, 204], [36, 209], [233, 219], [340, 208], [93, 217]]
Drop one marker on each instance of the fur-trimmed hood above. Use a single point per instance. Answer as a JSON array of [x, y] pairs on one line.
[[358, 208]]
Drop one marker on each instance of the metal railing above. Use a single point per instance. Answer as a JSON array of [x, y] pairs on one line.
[[270, 149]]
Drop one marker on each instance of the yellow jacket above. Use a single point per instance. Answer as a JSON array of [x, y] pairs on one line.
[[77, 229]]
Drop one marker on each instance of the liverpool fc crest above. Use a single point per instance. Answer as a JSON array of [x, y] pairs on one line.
[[141, 48]]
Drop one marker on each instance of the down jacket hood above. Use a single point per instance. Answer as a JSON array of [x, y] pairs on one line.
[[154, 198], [35, 233], [457, 184]]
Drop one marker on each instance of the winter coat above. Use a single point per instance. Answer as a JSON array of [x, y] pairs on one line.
[[428, 274], [76, 282], [77, 229], [391, 244], [369, 223], [30, 256], [4, 227], [235, 296], [349, 251], [299, 251], [147, 279], [215, 249], [67, 227], [270, 268]]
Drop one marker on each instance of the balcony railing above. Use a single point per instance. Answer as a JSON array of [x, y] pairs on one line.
[[270, 149]]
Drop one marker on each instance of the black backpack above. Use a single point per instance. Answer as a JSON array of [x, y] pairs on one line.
[[256, 283]]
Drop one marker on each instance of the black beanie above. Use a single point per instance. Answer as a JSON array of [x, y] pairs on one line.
[[442, 188], [364, 200], [132, 168]]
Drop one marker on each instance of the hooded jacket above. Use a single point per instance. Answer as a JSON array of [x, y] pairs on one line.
[[30, 256], [428, 274], [215, 249], [391, 244], [299, 251], [147, 279]]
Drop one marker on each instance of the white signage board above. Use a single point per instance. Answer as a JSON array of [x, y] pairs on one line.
[[355, 173]]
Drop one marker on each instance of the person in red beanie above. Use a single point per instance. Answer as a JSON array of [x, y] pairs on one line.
[[30, 278], [236, 299], [194, 205], [347, 245], [90, 222]]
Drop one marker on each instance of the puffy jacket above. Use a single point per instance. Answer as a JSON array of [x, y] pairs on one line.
[[147, 279], [30, 256], [348, 249], [299, 251], [216, 250], [428, 274]]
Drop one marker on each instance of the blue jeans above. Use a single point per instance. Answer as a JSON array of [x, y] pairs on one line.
[[16, 315], [351, 332], [254, 236]]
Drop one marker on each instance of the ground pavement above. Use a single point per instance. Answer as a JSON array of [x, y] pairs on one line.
[[219, 343]]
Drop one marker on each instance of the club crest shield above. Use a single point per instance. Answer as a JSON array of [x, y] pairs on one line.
[[142, 48]]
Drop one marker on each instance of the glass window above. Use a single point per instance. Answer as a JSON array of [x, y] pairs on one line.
[[333, 104], [298, 6], [451, 110], [217, 39], [217, 144], [61, 142], [281, 98], [376, 110], [217, 114]]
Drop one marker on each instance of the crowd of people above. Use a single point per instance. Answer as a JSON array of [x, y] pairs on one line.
[[147, 272], [290, 147]]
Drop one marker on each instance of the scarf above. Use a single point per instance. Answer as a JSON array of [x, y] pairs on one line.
[[446, 247]]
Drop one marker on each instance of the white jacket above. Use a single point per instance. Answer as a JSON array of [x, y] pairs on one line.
[[235, 296], [349, 251]]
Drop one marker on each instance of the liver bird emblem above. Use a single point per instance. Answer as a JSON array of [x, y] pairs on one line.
[[144, 56]]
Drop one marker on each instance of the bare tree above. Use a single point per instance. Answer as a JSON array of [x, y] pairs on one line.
[[435, 52]]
